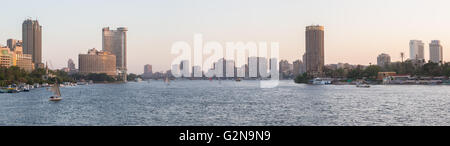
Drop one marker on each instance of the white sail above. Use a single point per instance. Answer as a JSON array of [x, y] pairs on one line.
[[167, 80], [55, 90]]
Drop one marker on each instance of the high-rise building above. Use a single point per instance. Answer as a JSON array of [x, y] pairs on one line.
[[97, 62], [263, 67], [314, 58], [416, 50], [253, 67], [32, 40], [230, 68], [383, 59], [436, 54], [148, 72], [285, 69], [71, 65], [196, 72], [115, 41], [257, 67], [12, 43], [297, 68], [184, 68], [220, 68]]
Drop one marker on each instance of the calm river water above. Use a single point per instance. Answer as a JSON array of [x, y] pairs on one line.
[[229, 103]]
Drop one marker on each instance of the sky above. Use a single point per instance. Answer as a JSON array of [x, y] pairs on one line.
[[356, 31]]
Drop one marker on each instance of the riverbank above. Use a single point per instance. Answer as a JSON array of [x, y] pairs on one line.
[[27, 88]]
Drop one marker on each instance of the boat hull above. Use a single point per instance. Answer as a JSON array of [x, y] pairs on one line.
[[55, 99]]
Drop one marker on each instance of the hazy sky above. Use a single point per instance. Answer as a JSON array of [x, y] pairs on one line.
[[356, 31]]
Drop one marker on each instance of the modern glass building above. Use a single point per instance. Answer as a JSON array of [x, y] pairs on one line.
[[115, 41], [32, 40], [314, 56]]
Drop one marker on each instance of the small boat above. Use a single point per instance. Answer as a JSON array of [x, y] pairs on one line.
[[238, 79], [319, 81], [138, 79], [363, 86], [57, 93], [12, 90], [55, 98], [167, 81]]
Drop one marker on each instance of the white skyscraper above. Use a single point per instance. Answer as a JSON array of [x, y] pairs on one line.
[[416, 50], [436, 54]]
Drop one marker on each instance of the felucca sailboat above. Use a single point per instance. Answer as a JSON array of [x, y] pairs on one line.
[[56, 92]]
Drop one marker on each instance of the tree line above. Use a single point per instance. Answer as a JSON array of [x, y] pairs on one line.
[[15, 75], [370, 72]]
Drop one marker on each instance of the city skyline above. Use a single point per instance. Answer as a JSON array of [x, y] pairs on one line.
[[151, 35]]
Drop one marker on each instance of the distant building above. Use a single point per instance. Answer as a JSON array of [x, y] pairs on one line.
[[382, 75], [262, 68], [16, 58], [115, 41], [230, 68], [436, 54], [66, 69], [196, 72], [253, 67], [12, 43], [6, 57], [97, 62], [184, 68], [148, 72], [25, 62], [219, 68], [71, 65], [285, 69], [416, 50], [246, 69], [297, 68], [383, 59], [32, 40], [314, 57]]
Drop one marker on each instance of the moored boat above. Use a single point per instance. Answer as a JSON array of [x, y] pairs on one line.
[[319, 81], [363, 86]]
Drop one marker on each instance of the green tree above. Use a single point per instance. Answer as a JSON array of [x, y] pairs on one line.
[[446, 70], [430, 69], [132, 77], [100, 77], [356, 73], [303, 78], [371, 72]]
